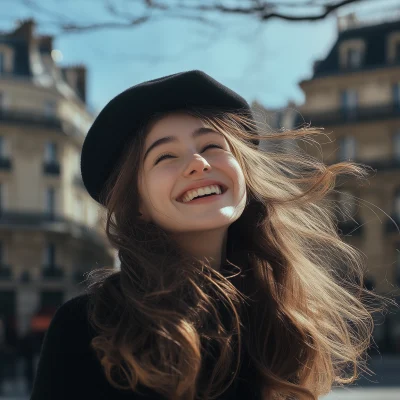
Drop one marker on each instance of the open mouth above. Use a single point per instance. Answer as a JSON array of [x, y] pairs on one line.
[[199, 193]]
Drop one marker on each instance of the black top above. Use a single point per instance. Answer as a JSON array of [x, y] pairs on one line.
[[69, 369]]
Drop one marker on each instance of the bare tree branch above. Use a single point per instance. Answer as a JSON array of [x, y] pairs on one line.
[[202, 11]]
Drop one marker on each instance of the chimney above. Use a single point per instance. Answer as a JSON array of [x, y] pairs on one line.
[[25, 29], [45, 44], [76, 78]]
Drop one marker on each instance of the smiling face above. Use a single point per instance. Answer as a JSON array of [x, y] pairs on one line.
[[182, 155]]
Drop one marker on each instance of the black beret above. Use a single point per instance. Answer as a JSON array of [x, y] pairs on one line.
[[120, 119]]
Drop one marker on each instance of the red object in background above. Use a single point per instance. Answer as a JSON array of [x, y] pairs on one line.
[[41, 321]]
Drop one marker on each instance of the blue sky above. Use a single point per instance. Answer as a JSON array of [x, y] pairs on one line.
[[259, 61]]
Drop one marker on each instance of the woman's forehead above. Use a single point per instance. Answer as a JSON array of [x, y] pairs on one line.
[[174, 124]]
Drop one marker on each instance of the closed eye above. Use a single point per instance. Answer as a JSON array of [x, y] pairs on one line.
[[168, 155]]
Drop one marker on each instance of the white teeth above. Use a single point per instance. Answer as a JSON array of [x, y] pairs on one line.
[[191, 194]]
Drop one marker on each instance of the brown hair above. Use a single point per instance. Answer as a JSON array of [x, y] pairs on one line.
[[301, 311]]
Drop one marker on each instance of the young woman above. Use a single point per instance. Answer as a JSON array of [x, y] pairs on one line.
[[233, 280]]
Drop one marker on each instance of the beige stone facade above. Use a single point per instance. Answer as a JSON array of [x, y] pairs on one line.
[[354, 94], [51, 231]]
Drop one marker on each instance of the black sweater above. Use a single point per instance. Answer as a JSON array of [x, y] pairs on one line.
[[69, 370]]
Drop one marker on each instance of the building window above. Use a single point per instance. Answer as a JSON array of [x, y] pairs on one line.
[[397, 204], [2, 63], [396, 145], [2, 147], [1, 196], [349, 100], [50, 201], [396, 95], [351, 53], [50, 153], [50, 109], [353, 57], [397, 52], [347, 148], [50, 255]]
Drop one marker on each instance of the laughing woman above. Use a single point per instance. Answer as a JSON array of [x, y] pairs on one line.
[[231, 282]]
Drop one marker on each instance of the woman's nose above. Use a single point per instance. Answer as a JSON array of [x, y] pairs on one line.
[[197, 165]]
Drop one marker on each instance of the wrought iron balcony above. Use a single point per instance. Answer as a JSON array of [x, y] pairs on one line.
[[52, 272], [51, 168], [49, 222], [347, 116], [40, 120]]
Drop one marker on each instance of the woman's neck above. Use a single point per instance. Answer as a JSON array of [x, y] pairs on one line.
[[205, 244]]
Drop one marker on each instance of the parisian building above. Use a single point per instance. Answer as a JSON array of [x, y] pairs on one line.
[[51, 231], [354, 94]]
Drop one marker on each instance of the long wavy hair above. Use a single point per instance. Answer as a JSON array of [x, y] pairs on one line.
[[292, 292]]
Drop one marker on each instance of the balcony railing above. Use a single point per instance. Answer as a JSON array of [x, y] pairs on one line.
[[48, 221], [52, 272], [383, 164], [51, 168], [360, 114], [32, 118]]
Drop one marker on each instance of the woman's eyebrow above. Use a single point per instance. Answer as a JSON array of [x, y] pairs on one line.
[[168, 139]]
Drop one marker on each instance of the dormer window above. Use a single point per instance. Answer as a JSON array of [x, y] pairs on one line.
[[393, 48], [353, 58], [351, 54], [6, 59]]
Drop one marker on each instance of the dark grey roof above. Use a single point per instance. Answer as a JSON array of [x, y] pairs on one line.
[[375, 51], [21, 55]]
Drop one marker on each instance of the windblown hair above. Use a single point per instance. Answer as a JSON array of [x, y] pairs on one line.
[[302, 311]]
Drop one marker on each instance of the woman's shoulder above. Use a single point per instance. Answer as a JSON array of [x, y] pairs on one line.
[[71, 321]]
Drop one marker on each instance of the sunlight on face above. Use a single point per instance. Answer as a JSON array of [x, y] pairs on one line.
[[181, 152]]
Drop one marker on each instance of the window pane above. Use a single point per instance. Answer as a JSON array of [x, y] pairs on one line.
[[354, 58], [396, 94], [347, 148], [396, 145], [50, 200], [49, 108], [397, 51], [397, 205], [2, 60], [51, 152]]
